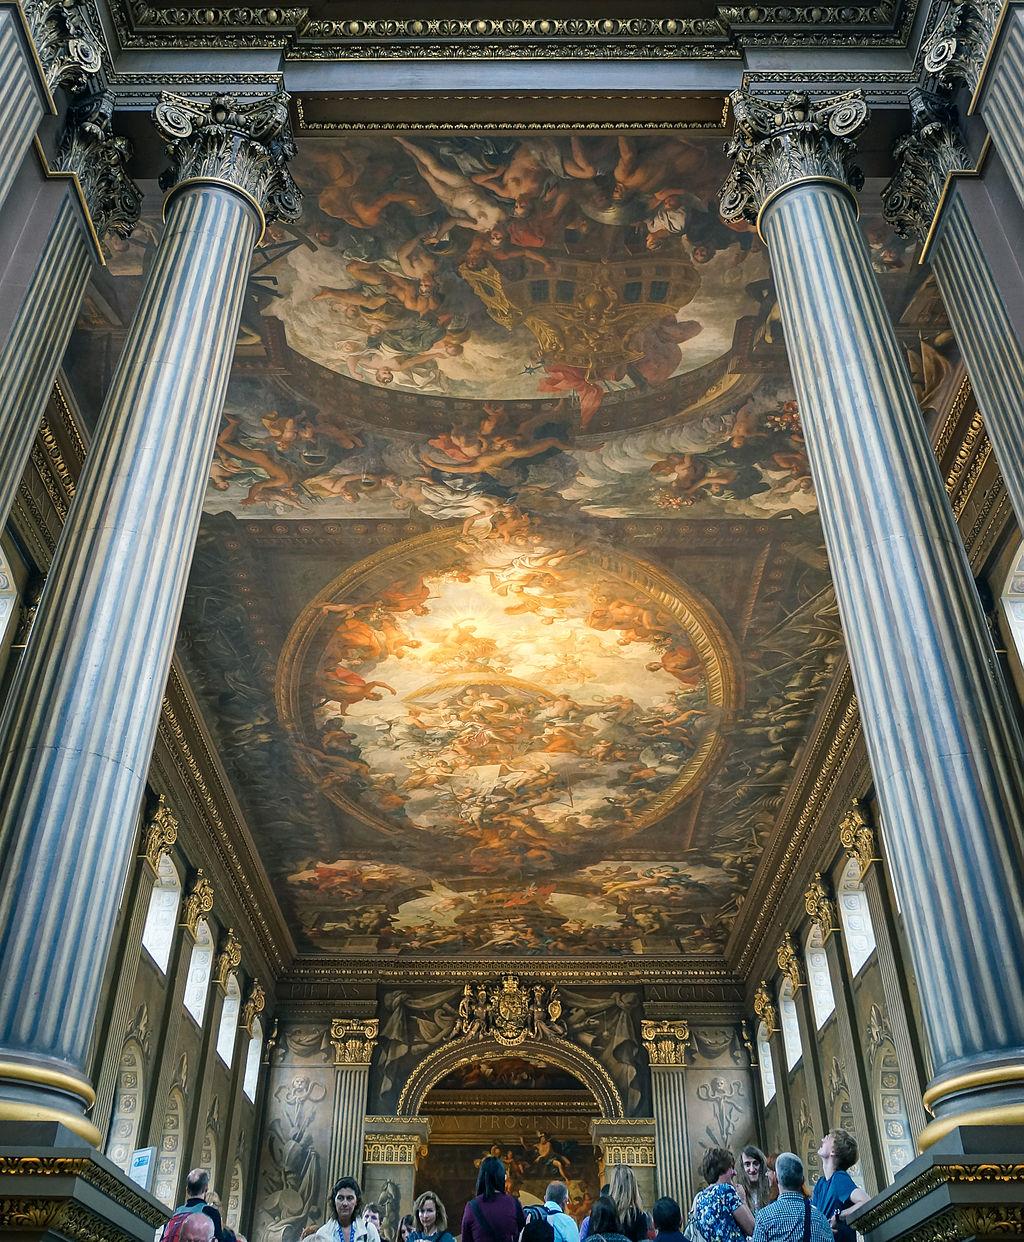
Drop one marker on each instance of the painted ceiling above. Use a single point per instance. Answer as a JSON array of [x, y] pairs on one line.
[[510, 612]]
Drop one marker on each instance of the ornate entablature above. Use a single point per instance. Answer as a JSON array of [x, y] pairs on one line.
[[510, 1012], [353, 1040], [159, 834], [667, 1043]]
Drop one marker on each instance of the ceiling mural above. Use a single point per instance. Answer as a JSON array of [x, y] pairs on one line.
[[510, 611]]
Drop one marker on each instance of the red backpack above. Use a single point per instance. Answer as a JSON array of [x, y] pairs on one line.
[[177, 1222]]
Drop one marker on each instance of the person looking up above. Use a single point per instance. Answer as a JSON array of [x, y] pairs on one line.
[[791, 1217], [836, 1194]]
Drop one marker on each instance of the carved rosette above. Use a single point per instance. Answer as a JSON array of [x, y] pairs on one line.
[[956, 50], [254, 1005], [858, 838], [246, 145], [68, 47], [90, 149], [776, 145], [924, 159], [667, 1043], [159, 835], [820, 907], [789, 962], [228, 959], [198, 903], [765, 1009], [354, 1040]]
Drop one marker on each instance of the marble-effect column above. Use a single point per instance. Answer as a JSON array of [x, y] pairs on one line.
[[941, 739], [84, 712]]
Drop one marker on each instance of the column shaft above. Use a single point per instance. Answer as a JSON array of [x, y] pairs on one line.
[[86, 706], [1002, 96], [943, 746], [672, 1173], [348, 1124], [23, 103]]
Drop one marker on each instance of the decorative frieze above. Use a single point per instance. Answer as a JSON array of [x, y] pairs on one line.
[[391, 1148], [159, 834], [779, 143], [667, 1043], [198, 903], [821, 907], [354, 1040], [91, 150]]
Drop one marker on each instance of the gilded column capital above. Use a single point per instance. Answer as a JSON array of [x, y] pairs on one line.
[[667, 1043], [821, 907], [780, 144], [254, 1005], [956, 50], [198, 903], [924, 158], [228, 959], [68, 47], [246, 146], [789, 962], [764, 1007], [857, 837], [353, 1040], [91, 150], [159, 834]]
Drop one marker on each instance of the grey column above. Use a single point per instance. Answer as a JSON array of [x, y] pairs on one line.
[[43, 295], [86, 705], [995, 362], [353, 1040], [1001, 97], [668, 1044], [943, 745]]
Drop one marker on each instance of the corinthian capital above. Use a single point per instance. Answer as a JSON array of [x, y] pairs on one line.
[[780, 144], [66, 43], [956, 49], [90, 148], [246, 145], [924, 158]]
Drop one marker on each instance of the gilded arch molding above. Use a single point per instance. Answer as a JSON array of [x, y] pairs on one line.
[[553, 1051]]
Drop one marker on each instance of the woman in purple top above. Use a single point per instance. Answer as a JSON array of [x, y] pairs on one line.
[[493, 1216]]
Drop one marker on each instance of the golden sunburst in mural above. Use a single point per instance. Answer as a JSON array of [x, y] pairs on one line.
[[506, 696]]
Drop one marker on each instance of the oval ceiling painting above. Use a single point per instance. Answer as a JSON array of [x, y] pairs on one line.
[[509, 699]]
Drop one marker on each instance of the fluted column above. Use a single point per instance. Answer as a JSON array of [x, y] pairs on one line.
[[36, 328], [668, 1044], [979, 45], [85, 708], [995, 362], [353, 1040], [943, 746]]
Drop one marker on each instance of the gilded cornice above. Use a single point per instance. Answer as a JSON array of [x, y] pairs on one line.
[[937, 1176], [85, 1169], [693, 970]]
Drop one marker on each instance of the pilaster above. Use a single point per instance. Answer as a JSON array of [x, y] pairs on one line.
[[668, 1045], [353, 1040]]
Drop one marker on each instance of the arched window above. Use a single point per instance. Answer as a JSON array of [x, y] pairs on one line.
[[764, 1060], [790, 1024], [162, 915], [172, 1141], [855, 916], [819, 980], [229, 1020], [253, 1053], [124, 1127], [200, 967]]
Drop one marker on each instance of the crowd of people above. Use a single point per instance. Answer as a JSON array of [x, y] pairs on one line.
[[767, 1199]]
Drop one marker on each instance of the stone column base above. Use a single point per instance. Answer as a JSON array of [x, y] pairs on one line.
[[55, 1186], [969, 1185]]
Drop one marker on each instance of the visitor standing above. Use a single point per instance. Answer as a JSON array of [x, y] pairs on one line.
[[668, 1220], [791, 1217], [717, 1210], [604, 1221], [754, 1185], [556, 1200], [197, 1191], [345, 1221], [429, 1219], [836, 1194], [633, 1220], [492, 1215]]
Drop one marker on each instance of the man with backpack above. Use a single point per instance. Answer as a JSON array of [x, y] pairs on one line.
[[556, 1198], [197, 1186]]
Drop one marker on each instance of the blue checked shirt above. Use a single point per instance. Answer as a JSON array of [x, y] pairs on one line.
[[783, 1221]]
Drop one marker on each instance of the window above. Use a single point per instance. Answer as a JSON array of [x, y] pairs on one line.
[[229, 1020], [764, 1060], [819, 979], [790, 1025], [250, 1081], [855, 916], [162, 915], [198, 985]]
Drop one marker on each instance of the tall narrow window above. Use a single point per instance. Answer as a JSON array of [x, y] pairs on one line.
[[162, 915], [855, 916], [228, 1028], [790, 1024], [819, 979], [200, 967], [764, 1060], [252, 1061]]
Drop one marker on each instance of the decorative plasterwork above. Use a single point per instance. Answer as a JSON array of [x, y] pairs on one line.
[[391, 1148], [68, 47], [97, 156], [667, 1043], [857, 837], [353, 1040], [228, 959], [925, 160], [789, 962], [956, 49], [764, 1007], [636, 1152], [510, 1012], [198, 903], [254, 1005], [779, 144], [159, 834], [821, 907]]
